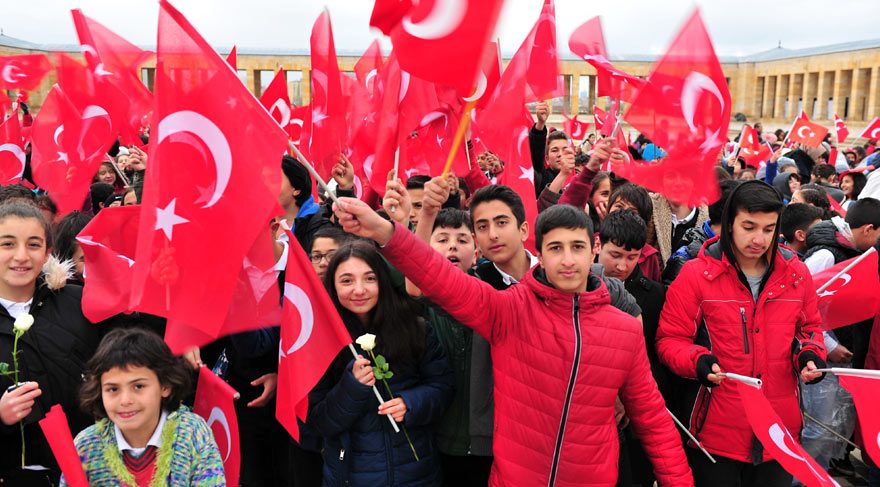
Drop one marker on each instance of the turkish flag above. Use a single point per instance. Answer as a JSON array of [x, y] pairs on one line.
[[387, 14], [23, 72], [808, 133], [329, 131], [865, 392], [232, 58], [12, 156], [588, 43], [685, 108], [276, 101], [215, 404], [305, 350], [68, 145], [575, 129], [779, 444], [429, 147], [751, 148], [114, 66], [872, 131], [225, 194], [109, 242], [542, 74], [57, 431], [369, 65], [443, 41], [840, 128], [843, 302], [301, 128], [599, 117]]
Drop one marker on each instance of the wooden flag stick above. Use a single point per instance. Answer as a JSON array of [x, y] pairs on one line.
[[459, 135], [299, 155]]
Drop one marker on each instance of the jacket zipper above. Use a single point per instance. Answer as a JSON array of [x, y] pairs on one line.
[[742, 312], [568, 393]]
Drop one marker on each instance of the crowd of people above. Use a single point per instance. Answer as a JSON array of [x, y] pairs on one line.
[[559, 367]]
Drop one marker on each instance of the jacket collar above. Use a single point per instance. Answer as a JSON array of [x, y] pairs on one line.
[[718, 262]]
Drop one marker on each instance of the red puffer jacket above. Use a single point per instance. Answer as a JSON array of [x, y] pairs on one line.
[[710, 310], [560, 360]]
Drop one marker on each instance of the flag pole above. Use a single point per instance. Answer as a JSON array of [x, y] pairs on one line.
[[829, 429], [376, 392], [459, 135], [864, 373], [393, 209], [696, 441], [299, 155], [749, 381], [845, 270]]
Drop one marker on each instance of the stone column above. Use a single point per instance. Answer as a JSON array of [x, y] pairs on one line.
[[779, 97], [837, 93], [591, 98], [766, 108], [306, 86], [855, 95], [822, 100], [575, 88], [873, 110]]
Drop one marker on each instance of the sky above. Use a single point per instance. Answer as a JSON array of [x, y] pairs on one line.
[[737, 28]]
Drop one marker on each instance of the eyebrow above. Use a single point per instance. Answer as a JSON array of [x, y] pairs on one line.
[[32, 237], [571, 241], [139, 379]]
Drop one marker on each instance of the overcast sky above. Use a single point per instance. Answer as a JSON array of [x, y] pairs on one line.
[[631, 26]]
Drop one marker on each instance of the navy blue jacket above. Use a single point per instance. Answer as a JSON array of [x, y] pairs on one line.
[[360, 448]]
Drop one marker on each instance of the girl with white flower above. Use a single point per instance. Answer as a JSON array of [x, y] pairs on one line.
[[360, 447], [54, 342]]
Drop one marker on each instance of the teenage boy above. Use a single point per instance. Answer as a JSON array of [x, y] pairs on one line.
[[744, 305], [795, 222], [561, 354]]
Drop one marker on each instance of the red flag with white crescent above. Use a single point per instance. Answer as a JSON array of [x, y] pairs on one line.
[[865, 392], [23, 72], [843, 302], [329, 132], [840, 128], [808, 133], [779, 443], [312, 333], [752, 148], [588, 43], [872, 131], [575, 128], [226, 193], [215, 404], [276, 101], [12, 156]]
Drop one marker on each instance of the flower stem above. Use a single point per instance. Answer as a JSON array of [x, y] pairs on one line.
[[403, 426], [15, 365]]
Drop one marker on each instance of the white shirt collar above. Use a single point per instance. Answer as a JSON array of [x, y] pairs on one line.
[[676, 222], [155, 440], [16, 309], [510, 280]]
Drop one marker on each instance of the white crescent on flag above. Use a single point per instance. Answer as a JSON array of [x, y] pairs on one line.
[[298, 298], [197, 124], [18, 154], [694, 84], [283, 111], [800, 131], [482, 82], [443, 19], [218, 416]]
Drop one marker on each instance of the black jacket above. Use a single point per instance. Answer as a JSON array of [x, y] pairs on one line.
[[53, 353], [537, 145]]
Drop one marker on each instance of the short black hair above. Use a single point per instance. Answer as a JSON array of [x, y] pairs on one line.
[[332, 232], [555, 135], [99, 192], [624, 229], [865, 211], [817, 196], [562, 216], [417, 182], [453, 218], [798, 216], [499, 192], [824, 171], [463, 187], [752, 197], [298, 176], [717, 207], [16, 191], [44, 202], [637, 196], [65, 234]]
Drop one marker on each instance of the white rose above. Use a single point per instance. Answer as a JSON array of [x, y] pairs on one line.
[[23, 323], [367, 341]]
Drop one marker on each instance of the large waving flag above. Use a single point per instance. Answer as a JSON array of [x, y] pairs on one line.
[[329, 134], [806, 132], [225, 194], [23, 72], [842, 301], [865, 391], [588, 43]]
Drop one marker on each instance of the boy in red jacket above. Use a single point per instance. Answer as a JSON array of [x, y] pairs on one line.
[[744, 305], [561, 355]]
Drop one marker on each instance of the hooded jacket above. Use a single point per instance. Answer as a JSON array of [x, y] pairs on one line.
[[559, 359], [710, 310]]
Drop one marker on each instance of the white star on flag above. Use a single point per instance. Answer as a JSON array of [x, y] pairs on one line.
[[166, 219], [527, 173], [231, 102], [318, 116]]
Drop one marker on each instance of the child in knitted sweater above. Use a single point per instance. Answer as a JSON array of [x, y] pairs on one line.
[[144, 437]]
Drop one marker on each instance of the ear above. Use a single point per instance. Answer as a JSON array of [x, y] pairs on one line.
[[524, 232], [166, 391], [296, 192], [597, 244], [800, 235]]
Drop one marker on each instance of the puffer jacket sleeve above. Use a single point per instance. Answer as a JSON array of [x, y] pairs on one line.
[[578, 191], [808, 332], [426, 402], [474, 303], [647, 412], [679, 321], [334, 406]]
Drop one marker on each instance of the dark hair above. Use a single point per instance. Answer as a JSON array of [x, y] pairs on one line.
[[44, 202], [134, 347], [400, 333], [753, 197], [816, 196], [798, 216], [555, 135], [332, 232], [453, 218], [562, 216], [298, 176], [824, 171], [595, 182], [98, 193], [865, 211], [721, 173], [717, 207], [112, 169], [624, 229], [637, 196], [499, 192], [859, 181], [417, 182], [463, 187], [16, 191], [65, 234], [24, 210]]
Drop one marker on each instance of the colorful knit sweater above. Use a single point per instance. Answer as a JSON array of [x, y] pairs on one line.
[[195, 458]]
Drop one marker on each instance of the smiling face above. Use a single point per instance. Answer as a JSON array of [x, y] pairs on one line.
[[132, 397], [23, 252], [566, 255], [357, 287], [106, 174], [456, 245]]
